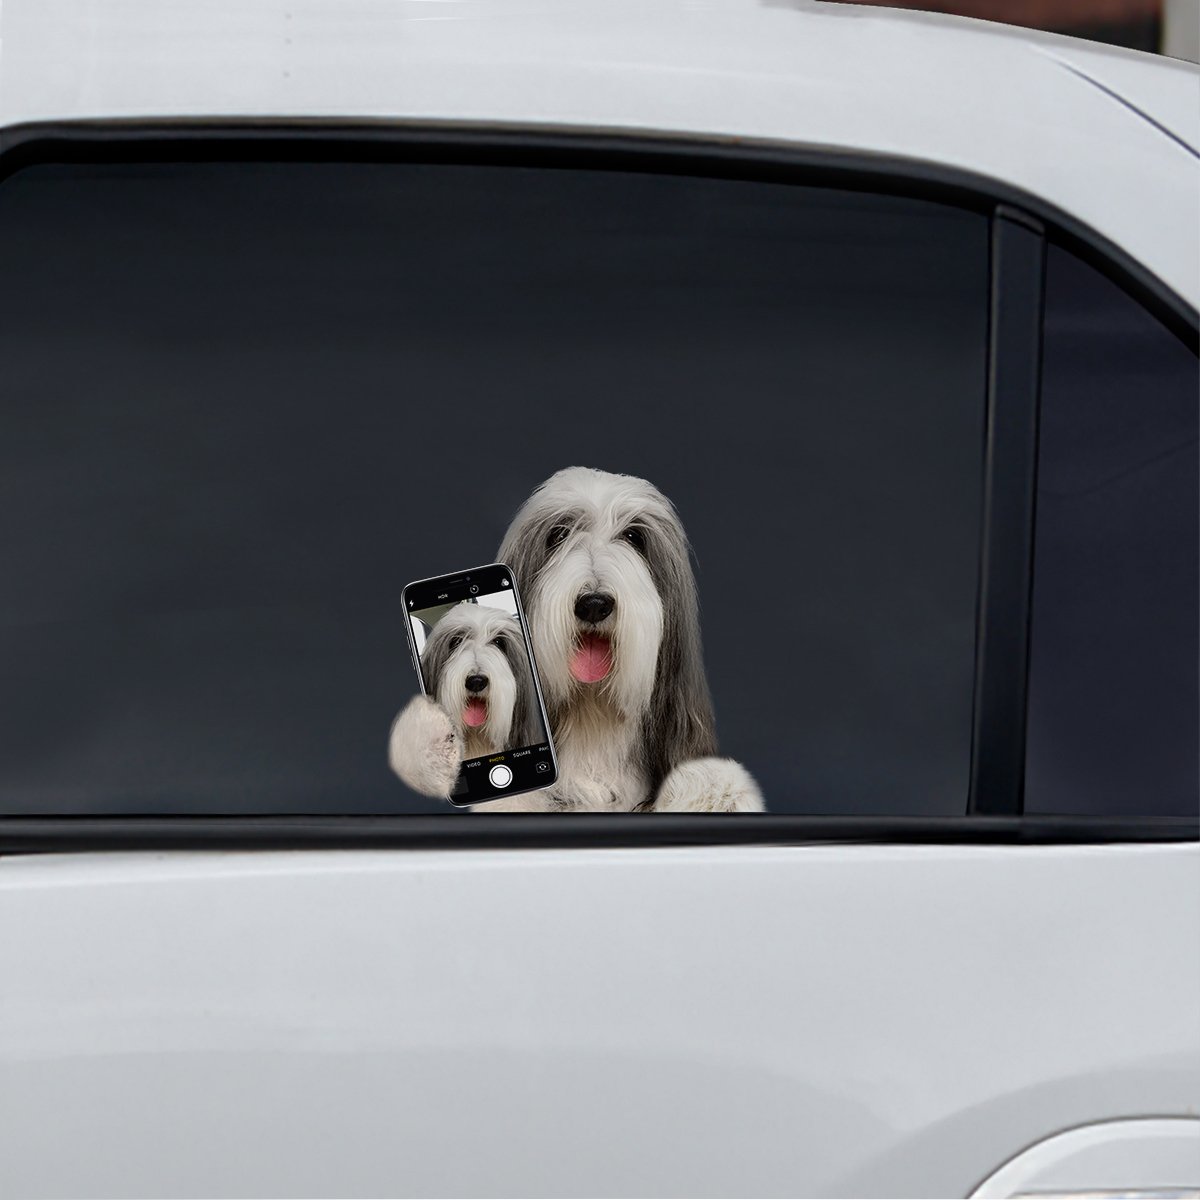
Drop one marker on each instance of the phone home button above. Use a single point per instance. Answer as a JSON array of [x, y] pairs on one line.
[[500, 776]]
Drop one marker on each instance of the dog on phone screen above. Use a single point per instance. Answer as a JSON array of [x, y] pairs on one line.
[[477, 670], [603, 564]]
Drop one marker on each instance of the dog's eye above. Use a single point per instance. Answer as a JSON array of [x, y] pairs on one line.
[[500, 644], [635, 535], [556, 535], [455, 641]]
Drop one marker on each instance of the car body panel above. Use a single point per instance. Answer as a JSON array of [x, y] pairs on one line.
[[822, 1019]]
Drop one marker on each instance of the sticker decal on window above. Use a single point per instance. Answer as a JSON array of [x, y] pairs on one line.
[[603, 563]]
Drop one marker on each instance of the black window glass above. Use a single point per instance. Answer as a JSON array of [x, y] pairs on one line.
[[1113, 715], [242, 404]]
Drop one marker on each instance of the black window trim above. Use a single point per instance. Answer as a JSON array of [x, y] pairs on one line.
[[1020, 225], [1013, 399]]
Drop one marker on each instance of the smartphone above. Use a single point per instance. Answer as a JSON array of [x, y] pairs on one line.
[[472, 653]]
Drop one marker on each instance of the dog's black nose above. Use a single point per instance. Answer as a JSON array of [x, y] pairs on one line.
[[593, 607], [476, 683]]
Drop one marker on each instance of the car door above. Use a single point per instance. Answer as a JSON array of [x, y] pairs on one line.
[[254, 383]]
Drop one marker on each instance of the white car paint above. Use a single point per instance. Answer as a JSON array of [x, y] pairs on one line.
[[817, 1020], [1003, 103]]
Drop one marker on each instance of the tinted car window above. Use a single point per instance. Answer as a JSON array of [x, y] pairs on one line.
[[241, 405], [1113, 712]]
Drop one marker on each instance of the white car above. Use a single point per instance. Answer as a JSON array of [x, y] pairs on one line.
[[298, 301]]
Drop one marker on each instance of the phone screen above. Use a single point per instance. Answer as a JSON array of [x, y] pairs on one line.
[[472, 653]]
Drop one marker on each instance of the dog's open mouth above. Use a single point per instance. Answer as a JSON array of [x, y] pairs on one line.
[[592, 659], [475, 712]]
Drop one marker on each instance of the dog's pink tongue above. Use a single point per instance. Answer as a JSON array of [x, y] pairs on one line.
[[475, 713], [593, 659]]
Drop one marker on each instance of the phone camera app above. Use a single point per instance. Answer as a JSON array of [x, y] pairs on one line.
[[474, 663]]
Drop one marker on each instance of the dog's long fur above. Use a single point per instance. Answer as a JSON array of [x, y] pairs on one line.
[[641, 734]]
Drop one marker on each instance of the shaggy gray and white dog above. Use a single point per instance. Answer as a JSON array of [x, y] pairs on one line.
[[477, 669], [602, 561]]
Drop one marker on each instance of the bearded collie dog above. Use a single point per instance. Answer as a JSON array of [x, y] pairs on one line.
[[603, 564]]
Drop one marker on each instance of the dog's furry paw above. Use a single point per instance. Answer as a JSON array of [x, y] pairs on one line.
[[527, 802], [709, 785], [424, 748]]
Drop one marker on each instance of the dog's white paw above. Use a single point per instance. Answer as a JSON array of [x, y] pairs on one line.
[[424, 748], [527, 802], [709, 785]]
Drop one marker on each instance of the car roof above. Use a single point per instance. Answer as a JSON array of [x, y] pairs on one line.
[[1110, 137]]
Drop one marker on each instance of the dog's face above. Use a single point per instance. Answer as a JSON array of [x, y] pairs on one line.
[[474, 663], [602, 561]]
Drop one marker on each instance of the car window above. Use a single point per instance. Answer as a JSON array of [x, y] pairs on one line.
[[242, 404], [1113, 712]]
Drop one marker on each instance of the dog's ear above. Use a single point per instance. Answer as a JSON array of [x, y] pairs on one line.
[[526, 726], [679, 723], [435, 655], [527, 720], [524, 549], [525, 552]]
